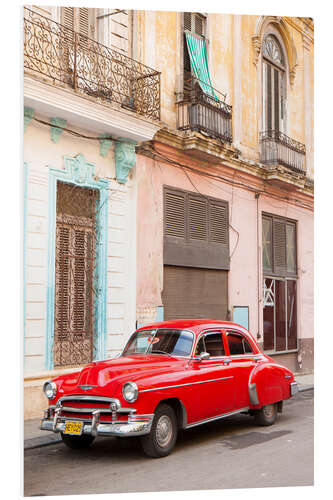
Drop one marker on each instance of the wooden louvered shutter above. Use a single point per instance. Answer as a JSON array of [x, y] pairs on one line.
[[197, 218], [67, 17], [218, 223], [269, 97], [175, 214], [196, 230], [279, 248], [276, 100]]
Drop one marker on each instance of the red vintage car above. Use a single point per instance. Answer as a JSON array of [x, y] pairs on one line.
[[171, 375]]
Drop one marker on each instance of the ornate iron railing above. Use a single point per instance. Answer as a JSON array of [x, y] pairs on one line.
[[197, 110], [279, 149], [71, 59]]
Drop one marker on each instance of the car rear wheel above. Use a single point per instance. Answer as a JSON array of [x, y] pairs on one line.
[[163, 434], [77, 442], [267, 414]]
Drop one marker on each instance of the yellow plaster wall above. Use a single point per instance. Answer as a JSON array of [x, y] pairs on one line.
[[249, 85], [221, 53], [166, 51], [167, 57]]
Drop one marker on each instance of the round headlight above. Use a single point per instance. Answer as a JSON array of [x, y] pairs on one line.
[[130, 392], [50, 389]]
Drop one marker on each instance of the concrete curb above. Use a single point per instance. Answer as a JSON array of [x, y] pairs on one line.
[[303, 388], [38, 442]]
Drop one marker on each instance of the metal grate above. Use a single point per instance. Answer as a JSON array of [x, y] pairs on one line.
[[75, 274], [279, 149], [70, 58], [201, 112]]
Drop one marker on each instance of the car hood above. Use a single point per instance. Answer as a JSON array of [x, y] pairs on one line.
[[107, 374]]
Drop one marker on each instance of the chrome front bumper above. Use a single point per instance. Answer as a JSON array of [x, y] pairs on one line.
[[294, 388], [106, 429], [134, 425]]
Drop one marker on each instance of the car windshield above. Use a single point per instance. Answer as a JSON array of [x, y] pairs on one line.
[[162, 341]]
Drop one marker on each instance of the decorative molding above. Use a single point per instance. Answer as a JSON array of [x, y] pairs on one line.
[[104, 144], [29, 113], [80, 172], [280, 24], [125, 158], [256, 42], [85, 112], [56, 131]]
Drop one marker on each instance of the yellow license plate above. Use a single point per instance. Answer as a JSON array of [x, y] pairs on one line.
[[73, 428]]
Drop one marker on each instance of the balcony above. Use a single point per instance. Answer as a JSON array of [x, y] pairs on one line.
[[277, 148], [201, 112], [67, 58]]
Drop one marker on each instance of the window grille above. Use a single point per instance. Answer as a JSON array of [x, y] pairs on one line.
[[76, 245]]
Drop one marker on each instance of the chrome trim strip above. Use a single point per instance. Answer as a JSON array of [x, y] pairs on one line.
[[183, 385], [76, 409], [224, 415], [84, 397]]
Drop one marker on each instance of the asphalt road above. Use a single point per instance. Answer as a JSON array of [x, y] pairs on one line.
[[231, 453]]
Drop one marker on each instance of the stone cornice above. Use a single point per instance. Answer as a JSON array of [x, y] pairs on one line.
[[196, 150], [86, 112]]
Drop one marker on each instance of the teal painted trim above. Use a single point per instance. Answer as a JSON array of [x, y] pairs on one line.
[[25, 206], [29, 113], [241, 315], [56, 131], [104, 144], [125, 158], [79, 172], [160, 313]]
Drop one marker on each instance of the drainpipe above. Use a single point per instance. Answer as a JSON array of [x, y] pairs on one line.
[[258, 267]]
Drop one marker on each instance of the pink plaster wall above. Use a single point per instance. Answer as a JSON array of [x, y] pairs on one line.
[[243, 275]]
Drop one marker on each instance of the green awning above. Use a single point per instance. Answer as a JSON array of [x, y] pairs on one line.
[[198, 57]]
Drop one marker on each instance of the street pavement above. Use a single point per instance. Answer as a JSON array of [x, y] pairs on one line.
[[231, 453]]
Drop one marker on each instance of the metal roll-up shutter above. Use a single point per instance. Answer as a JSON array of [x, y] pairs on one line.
[[194, 293]]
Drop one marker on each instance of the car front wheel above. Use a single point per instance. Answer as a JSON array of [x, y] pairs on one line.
[[163, 435], [77, 442], [266, 415]]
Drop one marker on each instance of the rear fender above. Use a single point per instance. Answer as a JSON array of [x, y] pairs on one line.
[[269, 383]]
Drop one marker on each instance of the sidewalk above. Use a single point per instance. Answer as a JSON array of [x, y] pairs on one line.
[[35, 438]]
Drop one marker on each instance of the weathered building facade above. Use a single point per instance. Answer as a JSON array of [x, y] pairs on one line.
[[168, 173], [228, 181], [88, 102]]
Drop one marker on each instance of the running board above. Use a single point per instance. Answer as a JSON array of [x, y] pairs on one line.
[[218, 417]]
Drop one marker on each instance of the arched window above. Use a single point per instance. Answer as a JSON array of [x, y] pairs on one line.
[[273, 85]]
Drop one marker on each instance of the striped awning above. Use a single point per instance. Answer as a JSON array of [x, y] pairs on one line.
[[198, 57]]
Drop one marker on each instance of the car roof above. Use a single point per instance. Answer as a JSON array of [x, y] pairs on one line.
[[195, 325]]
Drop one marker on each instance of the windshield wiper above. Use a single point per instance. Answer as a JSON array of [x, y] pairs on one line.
[[160, 352]]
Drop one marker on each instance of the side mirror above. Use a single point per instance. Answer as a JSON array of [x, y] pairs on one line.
[[203, 356]]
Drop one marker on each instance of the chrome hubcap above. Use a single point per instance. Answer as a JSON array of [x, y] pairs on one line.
[[268, 411], [164, 431]]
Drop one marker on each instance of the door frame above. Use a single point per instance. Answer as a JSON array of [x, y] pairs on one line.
[[81, 173]]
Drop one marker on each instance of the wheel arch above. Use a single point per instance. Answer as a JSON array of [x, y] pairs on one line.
[[178, 406]]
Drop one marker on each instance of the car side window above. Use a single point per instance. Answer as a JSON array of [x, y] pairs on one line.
[[238, 344], [214, 344]]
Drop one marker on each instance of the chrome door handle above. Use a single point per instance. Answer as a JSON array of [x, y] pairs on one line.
[[227, 361]]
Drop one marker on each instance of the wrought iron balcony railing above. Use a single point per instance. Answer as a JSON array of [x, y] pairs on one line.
[[197, 110], [279, 149], [71, 59]]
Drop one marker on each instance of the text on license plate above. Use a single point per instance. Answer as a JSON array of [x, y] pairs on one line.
[[73, 428]]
